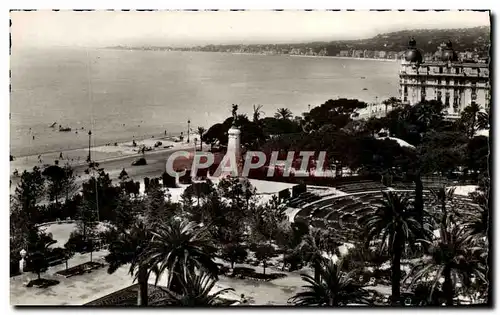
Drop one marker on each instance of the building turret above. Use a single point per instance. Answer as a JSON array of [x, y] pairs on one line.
[[412, 54]]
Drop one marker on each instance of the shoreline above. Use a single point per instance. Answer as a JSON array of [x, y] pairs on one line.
[[99, 153], [96, 144], [254, 54], [347, 58]]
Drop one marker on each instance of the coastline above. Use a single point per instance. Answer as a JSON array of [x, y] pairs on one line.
[[99, 153], [348, 58], [254, 54]]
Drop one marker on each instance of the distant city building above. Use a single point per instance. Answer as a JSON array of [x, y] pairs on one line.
[[445, 78], [392, 55], [381, 54], [368, 54], [357, 53], [344, 53]]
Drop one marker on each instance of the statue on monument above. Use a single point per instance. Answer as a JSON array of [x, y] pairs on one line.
[[235, 114]]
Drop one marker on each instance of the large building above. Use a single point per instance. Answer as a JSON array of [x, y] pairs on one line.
[[445, 78]]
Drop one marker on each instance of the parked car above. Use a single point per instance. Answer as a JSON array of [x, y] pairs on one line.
[[141, 161]]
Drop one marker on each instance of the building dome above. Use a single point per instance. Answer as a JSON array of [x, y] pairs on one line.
[[448, 54], [412, 54]]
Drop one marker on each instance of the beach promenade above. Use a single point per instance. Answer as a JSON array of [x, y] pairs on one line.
[[111, 158]]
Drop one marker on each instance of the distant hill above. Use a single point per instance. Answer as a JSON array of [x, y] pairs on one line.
[[464, 39]]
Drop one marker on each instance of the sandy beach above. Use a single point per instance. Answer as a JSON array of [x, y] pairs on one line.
[[110, 157]]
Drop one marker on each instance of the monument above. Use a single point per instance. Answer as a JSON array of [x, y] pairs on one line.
[[232, 161]]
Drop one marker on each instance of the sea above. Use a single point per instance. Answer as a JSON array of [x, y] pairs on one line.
[[122, 95]]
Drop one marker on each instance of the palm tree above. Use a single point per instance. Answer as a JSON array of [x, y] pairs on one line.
[[428, 114], [474, 119], [452, 257], [312, 249], [127, 247], [396, 224], [477, 223], [179, 246], [201, 131], [283, 113], [334, 288], [195, 291], [257, 112], [392, 101], [443, 197]]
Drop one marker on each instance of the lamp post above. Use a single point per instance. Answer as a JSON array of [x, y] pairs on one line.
[[189, 121]]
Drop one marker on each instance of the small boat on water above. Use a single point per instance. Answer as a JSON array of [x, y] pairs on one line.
[[64, 129], [53, 125], [363, 77], [365, 89]]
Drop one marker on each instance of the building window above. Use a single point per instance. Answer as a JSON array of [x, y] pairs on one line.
[[405, 90], [447, 99], [473, 95], [439, 81], [457, 70], [439, 95], [440, 69], [405, 99], [422, 94], [447, 81]]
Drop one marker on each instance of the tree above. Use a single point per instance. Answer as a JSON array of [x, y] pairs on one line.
[[217, 134], [38, 248], [477, 222], [86, 227], [126, 211], [473, 119], [283, 113], [428, 115], [336, 113], [312, 249], [264, 252], [477, 152], [29, 191], [443, 197], [267, 220], [195, 291], [257, 112], [452, 257], [201, 132], [334, 288], [69, 186], [234, 253], [392, 101], [100, 191], [56, 178], [127, 247], [395, 224], [123, 175], [180, 247], [157, 209]]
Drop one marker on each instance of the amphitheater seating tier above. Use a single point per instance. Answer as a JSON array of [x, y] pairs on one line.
[[341, 214]]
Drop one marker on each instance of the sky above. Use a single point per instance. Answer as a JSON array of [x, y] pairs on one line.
[[187, 28]]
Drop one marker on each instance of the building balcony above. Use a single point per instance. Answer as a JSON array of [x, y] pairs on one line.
[[449, 75], [444, 85]]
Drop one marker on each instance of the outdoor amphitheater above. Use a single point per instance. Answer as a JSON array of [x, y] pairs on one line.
[[340, 209]]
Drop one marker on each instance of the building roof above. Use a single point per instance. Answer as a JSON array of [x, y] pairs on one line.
[[412, 54], [455, 64]]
